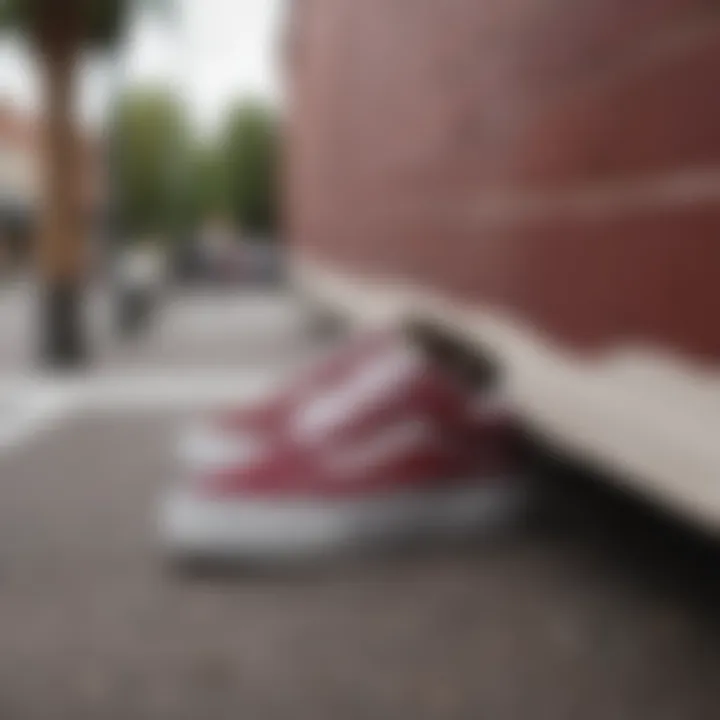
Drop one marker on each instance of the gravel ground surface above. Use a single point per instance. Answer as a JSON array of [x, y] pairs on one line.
[[585, 610]]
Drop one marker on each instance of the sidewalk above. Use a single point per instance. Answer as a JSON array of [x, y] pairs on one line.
[[192, 329], [204, 350]]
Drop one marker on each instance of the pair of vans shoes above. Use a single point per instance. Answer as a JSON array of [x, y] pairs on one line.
[[378, 444]]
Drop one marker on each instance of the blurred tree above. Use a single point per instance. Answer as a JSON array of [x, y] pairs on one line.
[[152, 147], [59, 31], [208, 183], [250, 149]]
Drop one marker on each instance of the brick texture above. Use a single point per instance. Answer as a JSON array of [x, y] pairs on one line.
[[556, 158]]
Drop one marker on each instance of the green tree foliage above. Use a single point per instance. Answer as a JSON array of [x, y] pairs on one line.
[[250, 150], [169, 183], [152, 163], [208, 190]]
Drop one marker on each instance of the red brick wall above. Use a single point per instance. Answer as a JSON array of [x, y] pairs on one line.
[[556, 158]]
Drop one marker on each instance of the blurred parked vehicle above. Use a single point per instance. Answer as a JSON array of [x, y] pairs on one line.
[[242, 263]]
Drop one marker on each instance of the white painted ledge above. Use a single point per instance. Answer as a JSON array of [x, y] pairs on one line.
[[648, 417]]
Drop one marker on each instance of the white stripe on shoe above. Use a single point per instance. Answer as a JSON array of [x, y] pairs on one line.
[[381, 448], [371, 385]]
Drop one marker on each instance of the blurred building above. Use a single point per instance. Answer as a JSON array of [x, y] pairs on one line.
[[544, 178], [21, 181]]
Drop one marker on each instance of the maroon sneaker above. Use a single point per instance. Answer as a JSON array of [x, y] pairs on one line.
[[397, 451], [237, 435]]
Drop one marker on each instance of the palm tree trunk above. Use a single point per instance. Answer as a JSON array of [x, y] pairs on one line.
[[61, 247]]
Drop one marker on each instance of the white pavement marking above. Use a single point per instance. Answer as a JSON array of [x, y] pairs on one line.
[[29, 406], [175, 390], [31, 403], [26, 411]]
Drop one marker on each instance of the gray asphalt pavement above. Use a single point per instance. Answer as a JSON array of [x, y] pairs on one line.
[[585, 609]]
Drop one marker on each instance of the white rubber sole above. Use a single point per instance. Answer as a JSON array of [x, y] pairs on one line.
[[192, 527]]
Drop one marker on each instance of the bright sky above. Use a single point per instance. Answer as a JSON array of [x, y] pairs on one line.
[[216, 51]]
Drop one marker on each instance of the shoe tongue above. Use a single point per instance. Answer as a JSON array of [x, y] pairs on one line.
[[452, 356]]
